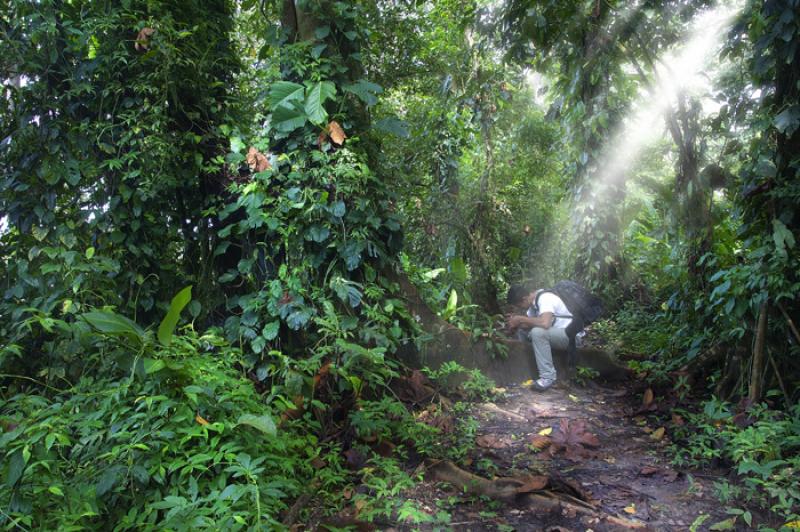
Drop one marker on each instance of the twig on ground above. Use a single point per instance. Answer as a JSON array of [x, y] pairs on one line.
[[491, 407]]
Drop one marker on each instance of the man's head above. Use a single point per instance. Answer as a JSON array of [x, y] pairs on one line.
[[521, 296]]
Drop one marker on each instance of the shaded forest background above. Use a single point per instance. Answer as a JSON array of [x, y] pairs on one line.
[[205, 208]]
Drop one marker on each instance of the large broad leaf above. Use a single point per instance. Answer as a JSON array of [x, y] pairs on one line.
[[263, 423], [114, 324], [284, 93], [167, 326], [392, 125], [316, 99], [452, 305], [365, 90], [287, 119]]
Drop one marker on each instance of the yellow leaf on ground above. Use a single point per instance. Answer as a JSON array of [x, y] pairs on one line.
[[630, 509], [658, 433], [573, 398], [528, 382], [546, 432]]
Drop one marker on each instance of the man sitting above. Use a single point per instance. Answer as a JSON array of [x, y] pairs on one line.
[[544, 322]]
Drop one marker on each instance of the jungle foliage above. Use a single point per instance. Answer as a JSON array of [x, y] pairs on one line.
[[289, 160]]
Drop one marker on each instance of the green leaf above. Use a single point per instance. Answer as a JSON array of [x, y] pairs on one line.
[[55, 490], [392, 125], [459, 270], [782, 236], [89, 252], [284, 93], [167, 326], [16, 466], [114, 324], [270, 330], [365, 90], [727, 524], [263, 423], [452, 303], [286, 119], [315, 101]]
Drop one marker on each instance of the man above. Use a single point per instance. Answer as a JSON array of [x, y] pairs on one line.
[[544, 323]]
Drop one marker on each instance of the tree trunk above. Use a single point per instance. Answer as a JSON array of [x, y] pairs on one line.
[[759, 359]]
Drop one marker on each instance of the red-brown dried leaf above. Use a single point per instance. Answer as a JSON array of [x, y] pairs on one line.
[[142, 38], [537, 441], [574, 432], [257, 161], [647, 399], [336, 132]]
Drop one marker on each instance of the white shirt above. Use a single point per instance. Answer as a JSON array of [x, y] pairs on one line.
[[549, 302]]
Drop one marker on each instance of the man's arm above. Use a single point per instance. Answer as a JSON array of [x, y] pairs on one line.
[[544, 321]]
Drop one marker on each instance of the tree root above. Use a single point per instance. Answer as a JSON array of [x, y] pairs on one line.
[[514, 490]]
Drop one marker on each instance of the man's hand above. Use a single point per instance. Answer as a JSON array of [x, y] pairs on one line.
[[514, 322]]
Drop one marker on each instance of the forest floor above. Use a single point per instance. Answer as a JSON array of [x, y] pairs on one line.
[[591, 450]]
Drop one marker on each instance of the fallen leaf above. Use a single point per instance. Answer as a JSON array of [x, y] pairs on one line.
[[648, 470], [336, 132], [257, 161], [647, 400], [142, 38], [658, 433], [347, 493], [610, 460], [574, 398], [538, 441], [528, 382], [727, 524], [498, 391], [793, 524], [492, 441], [631, 509], [201, 420], [677, 420], [546, 432], [574, 431], [318, 462]]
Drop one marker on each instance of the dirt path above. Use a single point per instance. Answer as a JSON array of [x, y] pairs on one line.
[[593, 446]]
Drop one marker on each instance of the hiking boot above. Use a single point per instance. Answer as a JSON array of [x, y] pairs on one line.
[[541, 385]]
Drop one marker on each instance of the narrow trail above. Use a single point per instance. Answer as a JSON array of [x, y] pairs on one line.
[[593, 446]]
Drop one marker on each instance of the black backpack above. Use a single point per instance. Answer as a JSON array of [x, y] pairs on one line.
[[584, 306]]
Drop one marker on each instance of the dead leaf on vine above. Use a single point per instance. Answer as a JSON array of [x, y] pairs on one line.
[[336, 132], [200, 419], [257, 161], [142, 38]]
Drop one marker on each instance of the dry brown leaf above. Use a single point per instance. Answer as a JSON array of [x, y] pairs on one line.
[[658, 433], [347, 493], [336, 132], [201, 420], [677, 420], [318, 463], [646, 471], [142, 38], [631, 509], [257, 161], [537, 441], [492, 441], [647, 400]]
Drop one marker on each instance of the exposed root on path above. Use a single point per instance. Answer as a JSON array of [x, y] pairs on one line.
[[528, 491]]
